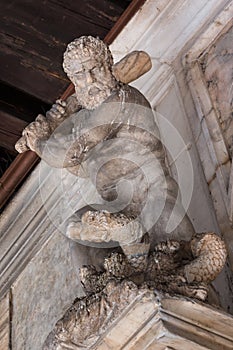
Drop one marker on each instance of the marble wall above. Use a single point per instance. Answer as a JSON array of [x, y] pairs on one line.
[[42, 293], [217, 65]]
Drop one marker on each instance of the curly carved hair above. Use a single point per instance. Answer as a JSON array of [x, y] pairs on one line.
[[84, 48]]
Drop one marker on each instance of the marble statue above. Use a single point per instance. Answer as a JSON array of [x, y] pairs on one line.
[[112, 139], [116, 134]]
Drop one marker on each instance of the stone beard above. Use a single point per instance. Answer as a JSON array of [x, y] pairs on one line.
[[88, 64], [91, 97], [90, 100]]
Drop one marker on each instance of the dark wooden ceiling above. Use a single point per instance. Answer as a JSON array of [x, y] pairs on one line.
[[33, 37]]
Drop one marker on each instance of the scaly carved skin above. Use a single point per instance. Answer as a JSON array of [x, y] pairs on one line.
[[210, 256], [107, 227], [181, 267], [174, 267], [125, 130]]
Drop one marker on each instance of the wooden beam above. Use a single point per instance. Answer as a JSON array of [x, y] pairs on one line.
[[10, 130], [19, 104], [34, 34]]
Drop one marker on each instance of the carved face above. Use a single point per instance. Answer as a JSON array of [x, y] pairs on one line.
[[93, 82]]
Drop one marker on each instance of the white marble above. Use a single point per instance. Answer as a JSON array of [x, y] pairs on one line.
[[42, 293], [157, 322], [200, 61], [217, 68]]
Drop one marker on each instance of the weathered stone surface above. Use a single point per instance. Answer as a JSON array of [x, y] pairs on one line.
[[205, 123], [42, 293]]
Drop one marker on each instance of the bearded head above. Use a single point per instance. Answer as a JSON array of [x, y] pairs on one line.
[[88, 63]]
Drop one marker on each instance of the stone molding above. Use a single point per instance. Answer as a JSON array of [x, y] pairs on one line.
[[164, 323], [149, 321], [209, 137]]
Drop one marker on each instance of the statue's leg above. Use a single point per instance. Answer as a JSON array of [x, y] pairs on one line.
[[172, 224], [85, 253], [95, 234]]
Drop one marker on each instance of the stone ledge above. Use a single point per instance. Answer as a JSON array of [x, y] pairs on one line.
[[125, 317]]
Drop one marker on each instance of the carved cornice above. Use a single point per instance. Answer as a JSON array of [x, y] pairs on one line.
[[141, 319]]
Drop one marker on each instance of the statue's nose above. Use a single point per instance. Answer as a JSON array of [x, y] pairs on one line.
[[89, 78]]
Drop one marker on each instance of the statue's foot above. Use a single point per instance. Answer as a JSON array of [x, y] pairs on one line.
[[101, 227], [137, 254]]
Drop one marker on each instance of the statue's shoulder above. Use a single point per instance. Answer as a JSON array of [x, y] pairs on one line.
[[129, 94]]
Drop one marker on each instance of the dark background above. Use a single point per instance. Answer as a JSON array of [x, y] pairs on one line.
[[33, 37]]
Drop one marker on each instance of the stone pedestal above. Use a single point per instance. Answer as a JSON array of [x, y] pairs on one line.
[[137, 319]]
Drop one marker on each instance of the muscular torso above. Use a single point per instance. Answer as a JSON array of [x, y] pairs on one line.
[[117, 147]]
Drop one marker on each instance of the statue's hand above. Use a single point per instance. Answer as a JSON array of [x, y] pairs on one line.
[[42, 128], [57, 113], [33, 134]]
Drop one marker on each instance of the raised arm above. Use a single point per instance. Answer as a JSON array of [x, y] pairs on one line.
[[42, 128], [131, 67]]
